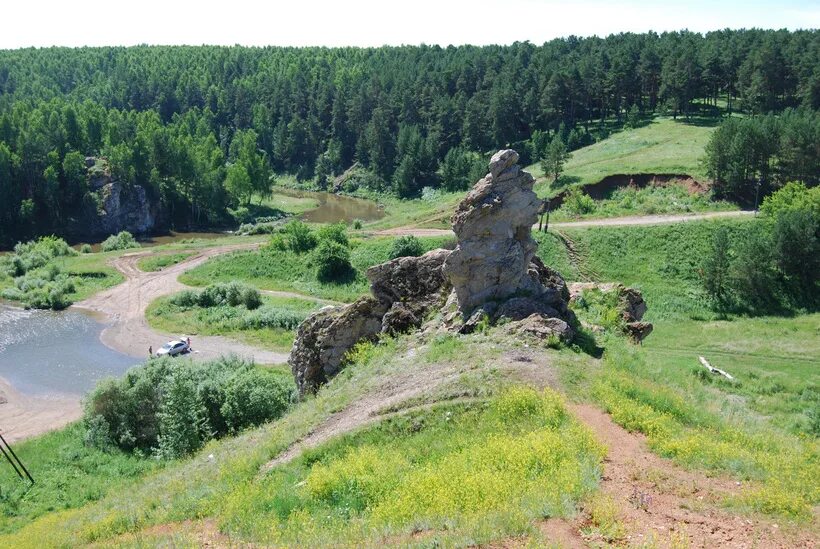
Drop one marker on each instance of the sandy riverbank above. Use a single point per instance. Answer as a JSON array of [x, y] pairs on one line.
[[23, 416]]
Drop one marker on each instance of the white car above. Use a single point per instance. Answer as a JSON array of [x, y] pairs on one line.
[[174, 348]]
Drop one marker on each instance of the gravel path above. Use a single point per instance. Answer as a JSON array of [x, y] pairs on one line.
[[608, 222]]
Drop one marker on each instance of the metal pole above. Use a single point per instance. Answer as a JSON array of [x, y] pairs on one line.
[[16, 470], [17, 458], [757, 191], [547, 225]]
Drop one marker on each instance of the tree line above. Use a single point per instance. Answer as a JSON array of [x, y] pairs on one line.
[[749, 157], [203, 128]]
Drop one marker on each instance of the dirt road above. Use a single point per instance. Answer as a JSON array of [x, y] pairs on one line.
[[608, 222], [124, 306]]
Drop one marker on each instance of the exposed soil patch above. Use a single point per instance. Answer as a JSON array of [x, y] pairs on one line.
[[606, 186], [657, 500]]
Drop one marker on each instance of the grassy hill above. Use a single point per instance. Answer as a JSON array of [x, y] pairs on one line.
[[662, 146], [451, 440]]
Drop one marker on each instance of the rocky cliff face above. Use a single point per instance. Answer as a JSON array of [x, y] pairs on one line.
[[491, 275], [120, 207]]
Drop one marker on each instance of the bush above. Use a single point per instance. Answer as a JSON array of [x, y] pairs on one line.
[[576, 203], [336, 232], [332, 261], [797, 249], [85, 249], [793, 196], [253, 397], [298, 237], [121, 241], [171, 409], [406, 246], [231, 293]]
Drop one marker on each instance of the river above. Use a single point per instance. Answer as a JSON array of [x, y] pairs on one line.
[[47, 352]]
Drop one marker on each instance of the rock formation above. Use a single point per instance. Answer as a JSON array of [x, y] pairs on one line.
[[631, 303], [493, 270], [404, 291], [117, 206], [492, 276]]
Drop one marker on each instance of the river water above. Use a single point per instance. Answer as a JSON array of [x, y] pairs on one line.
[[334, 208], [44, 352]]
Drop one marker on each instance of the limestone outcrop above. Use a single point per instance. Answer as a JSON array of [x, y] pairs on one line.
[[493, 269], [491, 276], [495, 245], [404, 291]]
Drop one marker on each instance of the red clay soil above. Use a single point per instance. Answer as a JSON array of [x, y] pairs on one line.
[[664, 505], [604, 188]]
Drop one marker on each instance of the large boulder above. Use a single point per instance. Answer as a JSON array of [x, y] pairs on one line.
[[631, 305], [326, 336], [404, 291]]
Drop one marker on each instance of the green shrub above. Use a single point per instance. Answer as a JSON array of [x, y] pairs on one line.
[[576, 203], [121, 241], [357, 224], [332, 261], [231, 294], [298, 237], [336, 232], [406, 246], [253, 397], [793, 196], [172, 408], [85, 249]]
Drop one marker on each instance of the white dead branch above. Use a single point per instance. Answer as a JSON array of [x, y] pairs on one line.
[[714, 370]]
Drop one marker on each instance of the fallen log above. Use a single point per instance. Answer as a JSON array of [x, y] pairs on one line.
[[714, 370]]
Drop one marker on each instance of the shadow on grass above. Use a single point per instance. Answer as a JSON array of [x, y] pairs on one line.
[[585, 340]]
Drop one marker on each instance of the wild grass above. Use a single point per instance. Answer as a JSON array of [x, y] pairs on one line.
[[457, 472], [662, 146], [278, 269], [701, 428], [67, 473], [153, 263], [663, 261], [270, 326], [651, 200], [432, 212], [197, 487]]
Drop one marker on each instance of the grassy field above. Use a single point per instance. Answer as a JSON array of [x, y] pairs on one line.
[[272, 269], [662, 146], [154, 263], [433, 212], [764, 425], [258, 327]]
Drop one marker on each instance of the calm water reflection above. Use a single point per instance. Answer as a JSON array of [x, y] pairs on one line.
[[45, 352]]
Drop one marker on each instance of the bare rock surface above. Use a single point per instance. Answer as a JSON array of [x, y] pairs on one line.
[[404, 291], [495, 245]]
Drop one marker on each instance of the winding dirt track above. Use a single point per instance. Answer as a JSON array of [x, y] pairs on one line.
[[608, 222], [124, 306]]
